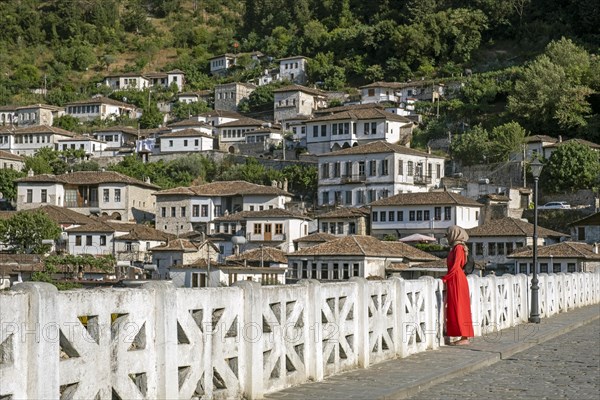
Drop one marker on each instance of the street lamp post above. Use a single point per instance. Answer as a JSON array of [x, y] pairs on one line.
[[534, 315]]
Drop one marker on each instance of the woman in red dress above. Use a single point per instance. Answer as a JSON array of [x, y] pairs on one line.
[[458, 302]]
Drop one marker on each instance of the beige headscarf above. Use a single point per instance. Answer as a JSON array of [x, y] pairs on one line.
[[457, 235]]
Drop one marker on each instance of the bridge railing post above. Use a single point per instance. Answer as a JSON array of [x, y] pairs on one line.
[[362, 313], [41, 334], [251, 363], [165, 338]]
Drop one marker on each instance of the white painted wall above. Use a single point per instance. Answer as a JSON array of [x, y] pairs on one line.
[[155, 318]]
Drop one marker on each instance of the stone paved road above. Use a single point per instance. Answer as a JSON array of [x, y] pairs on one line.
[[567, 367]]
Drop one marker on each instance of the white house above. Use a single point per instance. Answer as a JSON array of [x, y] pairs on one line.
[[218, 117], [121, 136], [235, 131], [186, 140], [401, 92], [495, 240], [350, 128], [184, 209], [101, 108], [132, 242], [294, 100], [343, 221], [350, 256], [9, 160], [95, 238], [219, 64], [141, 81], [293, 69], [178, 254], [87, 143], [274, 227], [359, 175], [26, 141], [194, 97], [559, 257], [264, 137], [38, 114], [104, 193], [229, 95], [426, 213]]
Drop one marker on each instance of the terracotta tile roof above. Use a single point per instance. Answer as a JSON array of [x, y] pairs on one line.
[[20, 262], [226, 188], [7, 155], [319, 237], [244, 121], [94, 226], [346, 212], [63, 215], [510, 227], [186, 133], [88, 178], [580, 141], [266, 254], [377, 148], [37, 129], [44, 106], [364, 246], [189, 122], [177, 245], [350, 107], [540, 138], [102, 100], [578, 250], [299, 88], [426, 198], [593, 219], [139, 232], [364, 113]]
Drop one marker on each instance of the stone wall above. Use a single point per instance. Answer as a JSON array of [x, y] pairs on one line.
[[243, 341]]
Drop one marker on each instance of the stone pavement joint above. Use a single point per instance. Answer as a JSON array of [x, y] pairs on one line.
[[402, 378]]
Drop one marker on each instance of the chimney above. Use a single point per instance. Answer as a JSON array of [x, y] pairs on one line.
[[30, 172], [595, 248], [147, 180], [274, 183], [428, 149], [559, 138], [285, 184]]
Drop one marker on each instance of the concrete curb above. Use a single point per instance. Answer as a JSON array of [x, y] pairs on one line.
[[490, 354]]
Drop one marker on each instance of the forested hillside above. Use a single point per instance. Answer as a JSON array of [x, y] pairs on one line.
[[522, 70]]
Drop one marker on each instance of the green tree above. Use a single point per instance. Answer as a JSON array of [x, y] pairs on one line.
[[7, 183], [66, 122], [472, 147], [182, 110], [506, 139], [151, 117], [571, 166], [554, 89], [25, 231]]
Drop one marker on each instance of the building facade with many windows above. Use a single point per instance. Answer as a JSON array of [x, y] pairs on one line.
[[360, 175]]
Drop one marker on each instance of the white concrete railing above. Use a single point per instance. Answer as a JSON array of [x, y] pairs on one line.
[[244, 341]]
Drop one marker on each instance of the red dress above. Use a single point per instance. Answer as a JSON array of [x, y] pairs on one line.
[[458, 302]]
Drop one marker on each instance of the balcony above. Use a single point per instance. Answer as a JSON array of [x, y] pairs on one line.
[[422, 180], [356, 178]]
